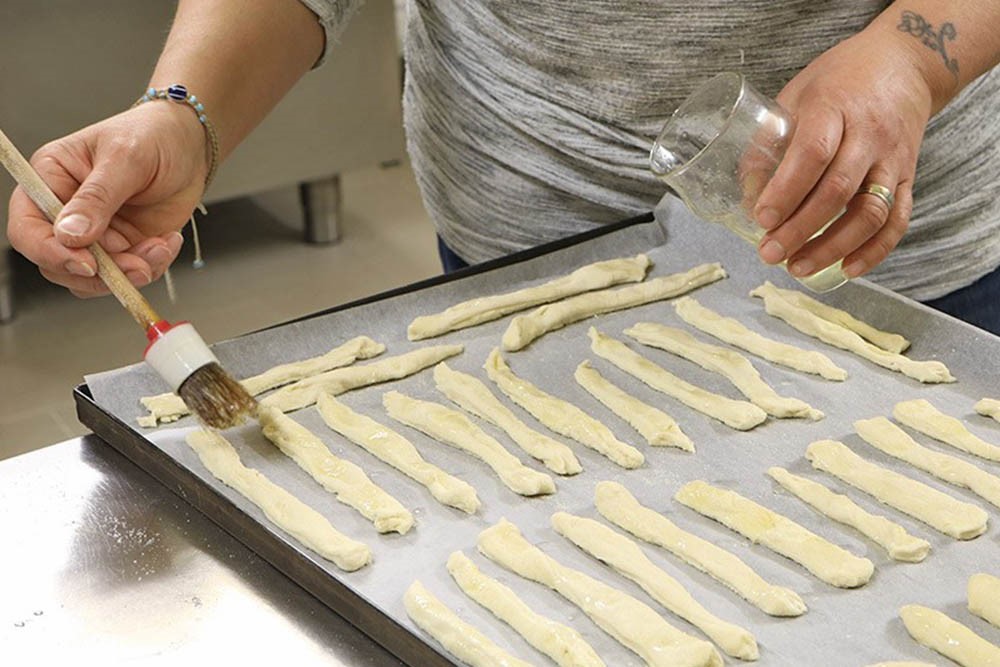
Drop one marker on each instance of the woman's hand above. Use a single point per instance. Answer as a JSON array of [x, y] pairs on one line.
[[129, 182], [860, 109]]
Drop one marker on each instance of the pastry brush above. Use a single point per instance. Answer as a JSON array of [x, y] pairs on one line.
[[175, 351]]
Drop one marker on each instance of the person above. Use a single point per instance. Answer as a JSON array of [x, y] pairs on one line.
[[530, 121]]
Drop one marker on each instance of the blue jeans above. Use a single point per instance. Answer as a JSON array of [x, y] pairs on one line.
[[977, 304], [450, 262]]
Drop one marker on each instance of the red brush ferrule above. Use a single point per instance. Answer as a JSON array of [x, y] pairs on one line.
[[158, 330]]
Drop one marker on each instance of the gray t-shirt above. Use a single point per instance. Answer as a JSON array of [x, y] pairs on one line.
[[530, 120]]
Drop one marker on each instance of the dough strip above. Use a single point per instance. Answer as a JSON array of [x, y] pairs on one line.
[[922, 416], [828, 562], [282, 508], [484, 309], [346, 481], [632, 623], [740, 415], [950, 638], [454, 428], [620, 507], [397, 451], [984, 597], [989, 407], [524, 329], [561, 416], [954, 518]]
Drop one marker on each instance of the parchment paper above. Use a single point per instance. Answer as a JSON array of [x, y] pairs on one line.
[[841, 627]]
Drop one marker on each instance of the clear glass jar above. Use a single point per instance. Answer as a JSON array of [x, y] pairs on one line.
[[718, 151]]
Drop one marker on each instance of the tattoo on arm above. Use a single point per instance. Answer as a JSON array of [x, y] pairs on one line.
[[917, 25]]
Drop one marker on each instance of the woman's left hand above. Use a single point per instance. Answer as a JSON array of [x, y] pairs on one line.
[[861, 109]]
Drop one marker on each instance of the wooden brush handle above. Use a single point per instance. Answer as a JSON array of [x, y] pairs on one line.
[[126, 293]]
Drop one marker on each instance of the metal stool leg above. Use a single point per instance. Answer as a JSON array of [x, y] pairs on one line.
[[321, 206]]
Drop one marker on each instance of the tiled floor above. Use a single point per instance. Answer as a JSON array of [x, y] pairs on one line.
[[258, 272]]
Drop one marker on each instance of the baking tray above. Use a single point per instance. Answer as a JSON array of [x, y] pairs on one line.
[[841, 628]]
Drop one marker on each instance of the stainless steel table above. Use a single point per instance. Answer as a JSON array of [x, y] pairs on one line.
[[100, 564]]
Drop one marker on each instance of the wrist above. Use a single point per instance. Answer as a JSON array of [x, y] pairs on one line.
[[188, 114]]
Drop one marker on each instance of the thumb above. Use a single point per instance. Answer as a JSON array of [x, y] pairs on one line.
[[86, 216]]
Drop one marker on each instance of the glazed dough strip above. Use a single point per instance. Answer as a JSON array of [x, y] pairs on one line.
[[834, 334], [760, 525], [921, 415], [462, 640], [169, 407], [398, 452], [561, 416], [620, 507], [885, 436], [984, 597], [484, 309], [889, 535], [740, 415], [560, 642], [632, 623], [728, 363], [305, 392], [285, 510], [950, 638], [954, 518], [989, 407], [656, 426], [890, 342], [346, 481], [473, 396], [454, 428], [732, 331], [626, 558], [526, 328]]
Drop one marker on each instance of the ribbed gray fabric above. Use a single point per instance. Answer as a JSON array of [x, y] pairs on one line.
[[529, 120]]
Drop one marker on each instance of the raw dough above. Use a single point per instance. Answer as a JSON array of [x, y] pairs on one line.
[[169, 407], [454, 428], [656, 426], [836, 335], [304, 393], [618, 506], [560, 416], [949, 638], [732, 331], [346, 481], [469, 393], [902, 663], [921, 415], [989, 407], [883, 435], [626, 558], [888, 534], [563, 644], [954, 518], [285, 510], [984, 597], [398, 452], [730, 364], [458, 637], [740, 415], [632, 623], [836, 566], [484, 309], [526, 328], [890, 342]]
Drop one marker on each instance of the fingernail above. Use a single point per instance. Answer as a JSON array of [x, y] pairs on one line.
[[177, 238], [772, 252], [73, 225], [139, 278], [158, 254], [802, 267], [768, 218], [80, 269], [855, 268]]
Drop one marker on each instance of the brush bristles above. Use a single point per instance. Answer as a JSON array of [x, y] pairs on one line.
[[216, 398]]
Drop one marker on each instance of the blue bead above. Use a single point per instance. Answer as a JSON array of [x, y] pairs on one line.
[[177, 92], [193, 99], [202, 118], [199, 107], [151, 92]]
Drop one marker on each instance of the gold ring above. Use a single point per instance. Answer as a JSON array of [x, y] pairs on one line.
[[880, 191]]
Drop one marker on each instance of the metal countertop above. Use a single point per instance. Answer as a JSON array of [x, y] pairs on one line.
[[99, 563]]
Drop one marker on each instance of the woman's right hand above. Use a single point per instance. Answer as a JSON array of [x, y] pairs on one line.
[[130, 182]]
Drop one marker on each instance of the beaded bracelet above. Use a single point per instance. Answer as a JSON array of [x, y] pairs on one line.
[[179, 93]]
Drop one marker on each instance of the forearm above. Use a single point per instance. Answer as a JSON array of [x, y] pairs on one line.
[[239, 58], [950, 43]]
